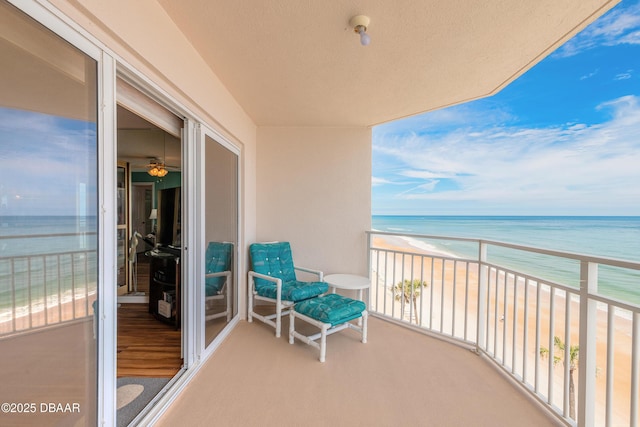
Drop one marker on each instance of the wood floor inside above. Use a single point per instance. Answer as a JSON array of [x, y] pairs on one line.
[[147, 347]]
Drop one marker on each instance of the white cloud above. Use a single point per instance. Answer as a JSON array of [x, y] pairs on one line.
[[588, 76], [423, 174], [379, 181], [43, 158], [578, 166], [422, 189], [447, 118], [623, 76], [619, 26]]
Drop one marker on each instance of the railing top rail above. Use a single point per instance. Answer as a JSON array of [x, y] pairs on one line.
[[49, 254], [633, 265], [616, 302], [439, 256], [33, 236], [422, 236]]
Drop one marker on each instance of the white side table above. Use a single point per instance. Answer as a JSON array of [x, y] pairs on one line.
[[350, 282]]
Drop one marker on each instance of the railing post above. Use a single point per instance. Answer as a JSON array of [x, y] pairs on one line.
[[483, 279], [369, 253], [369, 267], [587, 366]]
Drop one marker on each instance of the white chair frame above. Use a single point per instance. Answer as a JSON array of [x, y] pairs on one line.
[[325, 329], [133, 261], [223, 294], [282, 306]]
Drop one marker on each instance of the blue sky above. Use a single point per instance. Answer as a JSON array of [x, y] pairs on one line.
[[44, 160], [563, 139]]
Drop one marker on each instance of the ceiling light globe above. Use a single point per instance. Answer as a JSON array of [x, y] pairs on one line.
[[365, 39]]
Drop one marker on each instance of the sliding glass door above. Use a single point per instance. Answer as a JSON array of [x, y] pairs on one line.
[[68, 236], [48, 226], [220, 236]]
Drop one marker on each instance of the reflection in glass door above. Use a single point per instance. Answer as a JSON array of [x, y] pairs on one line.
[[48, 227], [221, 235], [122, 229]]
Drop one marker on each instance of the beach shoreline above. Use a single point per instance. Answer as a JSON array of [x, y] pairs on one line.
[[505, 321]]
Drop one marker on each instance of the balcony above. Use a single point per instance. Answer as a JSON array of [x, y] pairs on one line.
[[526, 309], [475, 345], [399, 377], [465, 341]]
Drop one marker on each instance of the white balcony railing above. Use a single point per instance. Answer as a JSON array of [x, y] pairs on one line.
[[523, 318], [43, 289]]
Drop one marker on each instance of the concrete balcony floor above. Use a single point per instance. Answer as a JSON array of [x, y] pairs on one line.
[[399, 378]]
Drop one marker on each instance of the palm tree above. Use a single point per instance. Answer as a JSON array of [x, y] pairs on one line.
[[408, 292], [558, 356]]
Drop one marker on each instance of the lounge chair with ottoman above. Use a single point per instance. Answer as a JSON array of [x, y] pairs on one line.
[[273, 279]]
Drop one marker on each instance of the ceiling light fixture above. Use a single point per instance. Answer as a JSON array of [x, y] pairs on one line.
[[360, 24], [157, 168]]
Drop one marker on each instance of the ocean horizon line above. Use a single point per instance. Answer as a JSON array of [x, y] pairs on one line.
[[501, 216]]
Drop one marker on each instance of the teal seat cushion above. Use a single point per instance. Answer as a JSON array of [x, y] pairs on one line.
[[217, 259], [333, 308], [292, 291]]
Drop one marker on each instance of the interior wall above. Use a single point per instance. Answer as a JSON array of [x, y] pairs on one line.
[[314, 190]]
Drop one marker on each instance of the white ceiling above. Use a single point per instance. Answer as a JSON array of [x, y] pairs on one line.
[[140, 142], [298, 63]]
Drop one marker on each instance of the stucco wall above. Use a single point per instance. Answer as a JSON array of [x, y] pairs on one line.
[[314, 190]]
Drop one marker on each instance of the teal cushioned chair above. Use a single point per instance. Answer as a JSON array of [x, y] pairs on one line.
[[217, 279], [273, 278]]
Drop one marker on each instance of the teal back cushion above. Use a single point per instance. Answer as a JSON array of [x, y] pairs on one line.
[[217, 259], [272, 259]]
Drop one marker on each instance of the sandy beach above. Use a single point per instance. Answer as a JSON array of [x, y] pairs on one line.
[[70, 308], [449, 304]]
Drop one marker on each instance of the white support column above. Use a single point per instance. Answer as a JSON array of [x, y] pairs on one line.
[[587, 367], [192, 298], [482, 295]]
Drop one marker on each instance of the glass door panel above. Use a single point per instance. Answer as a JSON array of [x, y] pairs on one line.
[[221, 231], [48, 227]]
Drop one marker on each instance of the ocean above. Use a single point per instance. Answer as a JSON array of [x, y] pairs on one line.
[[607, 237], [31, 235], [46, 260]]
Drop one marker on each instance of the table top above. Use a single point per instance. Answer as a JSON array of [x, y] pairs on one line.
[[347, 281]]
